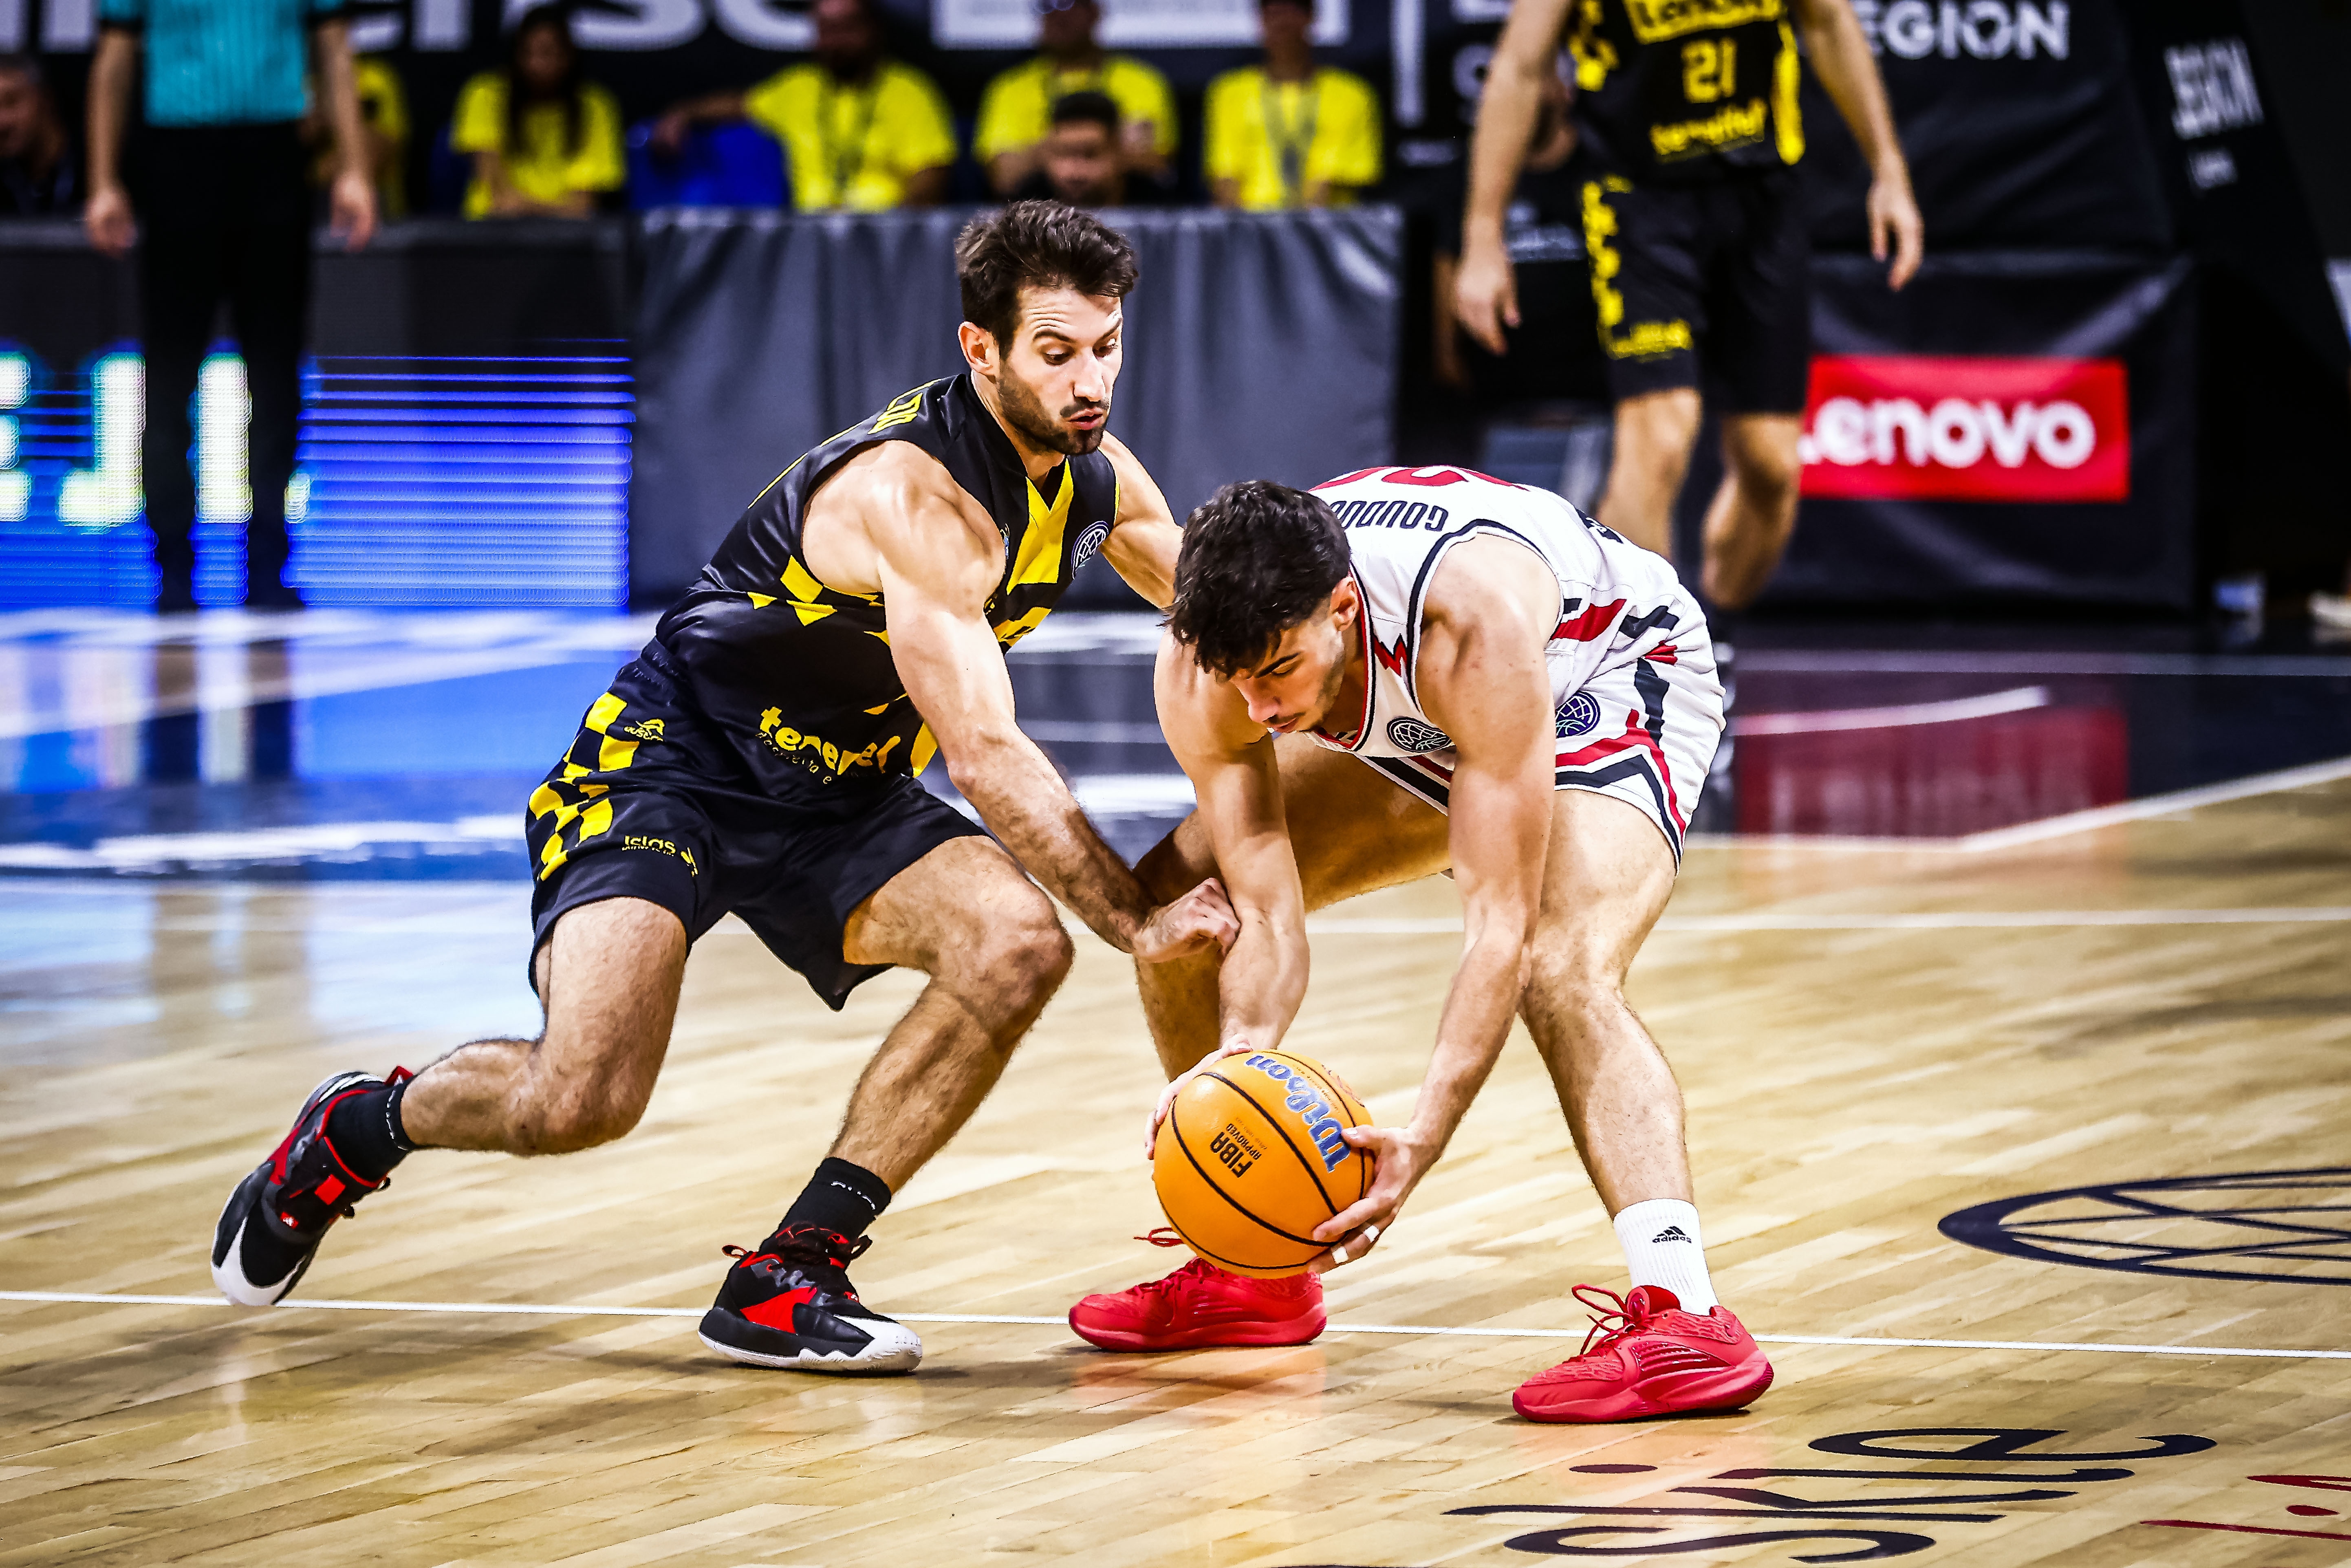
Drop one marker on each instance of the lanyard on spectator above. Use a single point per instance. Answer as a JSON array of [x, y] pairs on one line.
[[1291, 141], [846, 162]]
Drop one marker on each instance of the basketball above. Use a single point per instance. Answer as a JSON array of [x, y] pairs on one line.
[[1249, 1161]]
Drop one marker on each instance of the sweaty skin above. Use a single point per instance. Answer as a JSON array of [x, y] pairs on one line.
[[893, 521], [1482, 679]]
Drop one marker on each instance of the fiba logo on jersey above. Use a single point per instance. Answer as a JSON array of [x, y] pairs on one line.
[[1089, 543], [1578, 714], [1414, 736]]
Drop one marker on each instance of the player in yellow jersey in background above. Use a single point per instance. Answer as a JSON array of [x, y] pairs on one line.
[[1687, 111]]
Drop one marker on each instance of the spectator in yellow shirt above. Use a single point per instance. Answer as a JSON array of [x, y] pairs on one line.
[[383, 126], [1289, 133], [1016, 113], [545, 141], [862, 132]]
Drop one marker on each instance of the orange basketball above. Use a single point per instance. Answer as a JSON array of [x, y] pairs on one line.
[[1249, 1161]]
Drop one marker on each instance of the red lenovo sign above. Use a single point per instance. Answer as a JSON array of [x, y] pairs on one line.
[[1912, 427]]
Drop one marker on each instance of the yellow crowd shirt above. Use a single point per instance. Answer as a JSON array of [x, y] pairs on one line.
[[384, 108], [1276, 140], [1017, 111], [544, 168], [853, 147]]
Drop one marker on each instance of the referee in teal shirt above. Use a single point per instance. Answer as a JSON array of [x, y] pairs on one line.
[[223, 212]]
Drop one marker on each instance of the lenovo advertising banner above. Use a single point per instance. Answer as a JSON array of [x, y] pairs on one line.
[[2011, 426]]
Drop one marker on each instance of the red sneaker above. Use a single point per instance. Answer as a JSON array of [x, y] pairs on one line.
[[1652, 1359], [1200, 1305]]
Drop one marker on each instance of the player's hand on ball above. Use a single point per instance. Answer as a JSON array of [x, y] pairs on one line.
[[1175, 1087], [1200, 920], [1400, 1161]]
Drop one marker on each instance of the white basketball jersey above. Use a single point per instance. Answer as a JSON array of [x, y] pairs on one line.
[[1617, 601]]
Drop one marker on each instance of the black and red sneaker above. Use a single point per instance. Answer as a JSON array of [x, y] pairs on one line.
[[279, 1214], [790, 1304]]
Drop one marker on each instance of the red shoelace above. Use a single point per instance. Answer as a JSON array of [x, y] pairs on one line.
[[1612, 1319]]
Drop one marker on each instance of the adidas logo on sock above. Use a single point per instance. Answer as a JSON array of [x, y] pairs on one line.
[[1670, 1233]]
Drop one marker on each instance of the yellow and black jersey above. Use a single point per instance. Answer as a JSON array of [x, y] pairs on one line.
[[800, 675], [1686, 92]]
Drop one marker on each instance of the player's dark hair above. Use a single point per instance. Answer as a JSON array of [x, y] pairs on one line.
[[1036, 245], [1258, 558], [1088, 108]]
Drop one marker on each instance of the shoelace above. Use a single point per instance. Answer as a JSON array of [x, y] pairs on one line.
[[803, 1245], [1198, 1269], [1611, 1319]]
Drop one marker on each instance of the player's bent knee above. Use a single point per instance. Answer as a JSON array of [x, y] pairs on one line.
[[1018, 965], [1170, 869]]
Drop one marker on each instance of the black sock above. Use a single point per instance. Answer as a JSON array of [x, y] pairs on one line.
[[366, 1130], [841, 1197]]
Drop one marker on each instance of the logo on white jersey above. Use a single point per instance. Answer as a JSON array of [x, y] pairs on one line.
[[1578, 714], [1414, 736]]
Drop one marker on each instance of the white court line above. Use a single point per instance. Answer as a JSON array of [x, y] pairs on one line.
[[526, 1309], [1952, 920], [2303, 777], [1904, 715]]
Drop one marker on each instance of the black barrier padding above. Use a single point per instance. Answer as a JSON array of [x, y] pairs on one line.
[[1256, 347]]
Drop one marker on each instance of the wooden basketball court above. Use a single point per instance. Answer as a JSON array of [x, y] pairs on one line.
[[495, 1361]]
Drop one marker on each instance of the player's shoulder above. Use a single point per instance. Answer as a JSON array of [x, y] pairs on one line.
[[1199, 714]]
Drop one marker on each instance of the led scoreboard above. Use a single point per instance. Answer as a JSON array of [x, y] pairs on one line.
[[426, 482]]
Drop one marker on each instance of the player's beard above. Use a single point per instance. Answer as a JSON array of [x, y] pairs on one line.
[[1024, 410]]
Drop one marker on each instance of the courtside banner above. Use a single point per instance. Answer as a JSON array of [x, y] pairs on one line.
[[1967, 428]]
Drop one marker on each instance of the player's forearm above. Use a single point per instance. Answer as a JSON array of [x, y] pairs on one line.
[[1262, 981], [110, 104], [1848, 74], [1506, 121], [332, 43], [1469, 1038], [1033, 815]]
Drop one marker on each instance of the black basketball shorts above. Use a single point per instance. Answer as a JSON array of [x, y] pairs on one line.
[[652, 802], [1707, 287]]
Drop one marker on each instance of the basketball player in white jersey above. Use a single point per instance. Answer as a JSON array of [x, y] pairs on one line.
[[1408, 671]]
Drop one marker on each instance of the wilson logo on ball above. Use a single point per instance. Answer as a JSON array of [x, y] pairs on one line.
[[1307, 1102]]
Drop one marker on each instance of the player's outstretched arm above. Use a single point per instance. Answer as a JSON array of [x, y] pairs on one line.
[[1143, 538], [1848, 73], [1237, 783], [938, 558], [1485, 291], [1482, 677]]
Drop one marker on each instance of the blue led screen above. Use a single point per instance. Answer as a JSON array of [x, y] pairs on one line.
[[420, 482]]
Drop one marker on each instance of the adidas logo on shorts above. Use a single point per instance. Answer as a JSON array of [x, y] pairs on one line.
[[1670, 1233]]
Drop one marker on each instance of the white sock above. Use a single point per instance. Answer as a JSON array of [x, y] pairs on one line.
[[1663, 1246]]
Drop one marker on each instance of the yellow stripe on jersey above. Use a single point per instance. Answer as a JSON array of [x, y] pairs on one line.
[[1039, 563]]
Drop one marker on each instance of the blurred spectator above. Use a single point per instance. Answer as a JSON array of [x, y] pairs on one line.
[[224, 206], [383, 118], [38, 171], [1289, 133], [545, 141], [1083, 157], [1016, 114], [862, 131], [1544, 229]]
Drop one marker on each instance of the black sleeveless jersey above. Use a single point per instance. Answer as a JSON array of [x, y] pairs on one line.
[[800, 675], [1687, 92]]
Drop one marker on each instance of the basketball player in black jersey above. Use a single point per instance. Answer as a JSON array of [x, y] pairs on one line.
[[759, 758], [1687, 115]]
